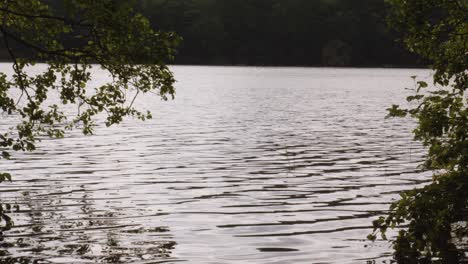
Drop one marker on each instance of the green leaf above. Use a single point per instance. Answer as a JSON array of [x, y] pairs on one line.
[[371, 237], [6, 155], [5, 176]]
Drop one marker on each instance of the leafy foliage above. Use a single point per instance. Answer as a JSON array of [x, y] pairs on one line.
[[436, 216], [70, 38]]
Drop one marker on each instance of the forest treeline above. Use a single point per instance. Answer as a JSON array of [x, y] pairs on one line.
[[280, 32]]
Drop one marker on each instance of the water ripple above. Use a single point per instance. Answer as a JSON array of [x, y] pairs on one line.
[[247, 165]]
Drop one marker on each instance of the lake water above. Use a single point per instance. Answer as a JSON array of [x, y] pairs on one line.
[[246, 165]]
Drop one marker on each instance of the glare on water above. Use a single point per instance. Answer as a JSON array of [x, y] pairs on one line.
[[246, 165]]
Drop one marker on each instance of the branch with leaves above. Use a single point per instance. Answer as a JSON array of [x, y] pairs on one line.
[[70, 40], [433, 220]]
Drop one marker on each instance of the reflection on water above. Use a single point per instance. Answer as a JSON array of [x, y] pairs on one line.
[[247, 165]]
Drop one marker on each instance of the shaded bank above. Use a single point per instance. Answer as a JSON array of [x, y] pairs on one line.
[[281, 32], [275, 32]]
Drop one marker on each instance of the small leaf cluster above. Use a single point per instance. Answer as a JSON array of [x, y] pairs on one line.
[[426, 217]]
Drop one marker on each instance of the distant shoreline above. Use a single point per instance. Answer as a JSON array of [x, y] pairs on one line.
[[312, 66], [290, 66]]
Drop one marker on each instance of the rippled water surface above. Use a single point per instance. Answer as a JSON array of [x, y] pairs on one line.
[[246, 165]]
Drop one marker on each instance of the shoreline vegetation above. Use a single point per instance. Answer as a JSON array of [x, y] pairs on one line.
[[304, 33], [422, 67]]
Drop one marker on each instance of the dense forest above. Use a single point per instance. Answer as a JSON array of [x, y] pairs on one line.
[[278, 32]]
